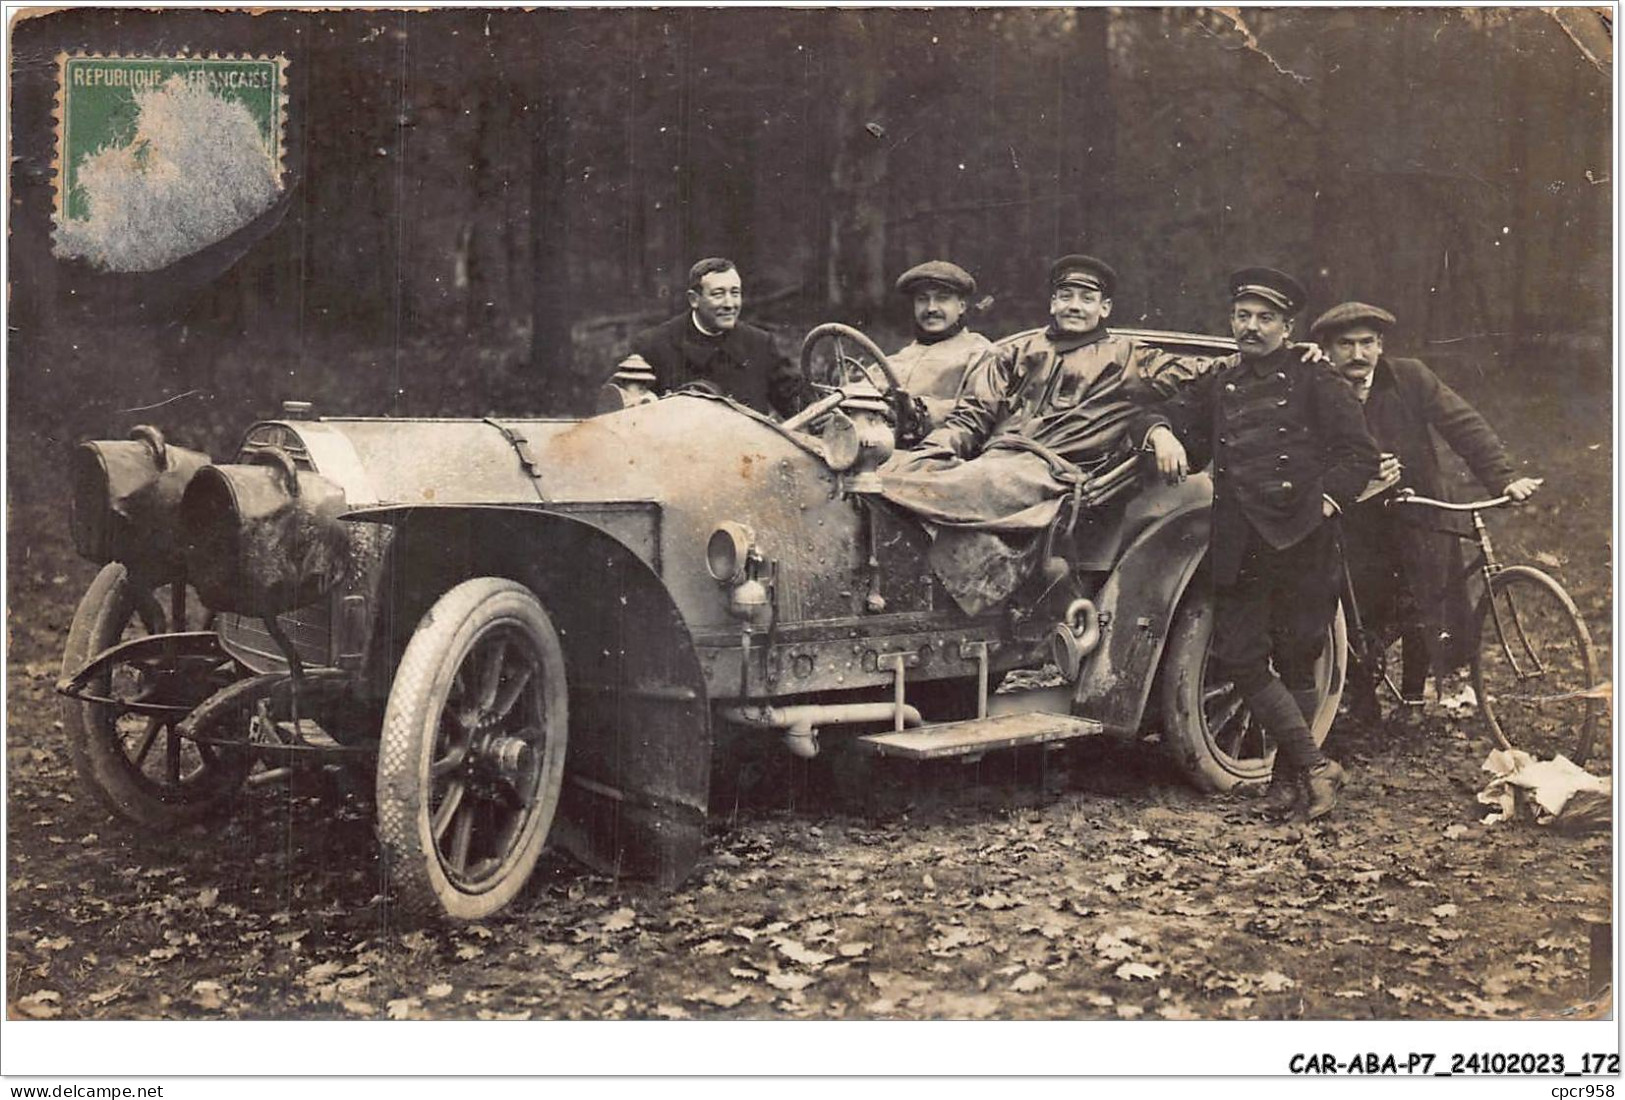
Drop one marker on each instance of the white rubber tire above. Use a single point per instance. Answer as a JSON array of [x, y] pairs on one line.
[[1186, 733], [421, 880]]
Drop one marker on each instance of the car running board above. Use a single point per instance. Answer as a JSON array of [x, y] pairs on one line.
[[979, 735]]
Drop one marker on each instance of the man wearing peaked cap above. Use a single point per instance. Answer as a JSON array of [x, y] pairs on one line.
[[1289, 448], [1084, 271], [1039, 411], [1407, 575], [932, 367], [1276, 287]]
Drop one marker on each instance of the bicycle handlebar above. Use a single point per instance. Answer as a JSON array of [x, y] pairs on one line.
[[1407, 496]]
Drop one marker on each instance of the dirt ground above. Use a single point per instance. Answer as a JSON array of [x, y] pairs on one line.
[[1089, 884]]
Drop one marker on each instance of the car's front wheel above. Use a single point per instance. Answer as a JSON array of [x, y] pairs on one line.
[[1208, 730], [133, 759], [472, 754]]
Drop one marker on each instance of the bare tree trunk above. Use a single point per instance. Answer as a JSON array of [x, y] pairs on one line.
[[1330, 215], [856, 273], [551, 307], [635, 249], [819, 80], [1085, 120], [687, 233], [1518, 122]]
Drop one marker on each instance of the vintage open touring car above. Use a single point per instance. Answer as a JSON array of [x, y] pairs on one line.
[[540, 631]]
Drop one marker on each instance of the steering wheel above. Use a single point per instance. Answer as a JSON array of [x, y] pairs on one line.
[[872, 366], [848, 365]]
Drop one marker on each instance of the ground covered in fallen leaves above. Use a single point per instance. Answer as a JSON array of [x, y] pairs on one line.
[[1090, 883], [1097, 886]]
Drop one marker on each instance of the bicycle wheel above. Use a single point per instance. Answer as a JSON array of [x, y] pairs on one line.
[[1535, 670]]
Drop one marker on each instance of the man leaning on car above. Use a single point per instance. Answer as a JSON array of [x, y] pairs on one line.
[[1290, 448], [710, 348]]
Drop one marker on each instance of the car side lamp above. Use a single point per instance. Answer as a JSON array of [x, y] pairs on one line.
[[732, 558], [633, 383], [858, 438]]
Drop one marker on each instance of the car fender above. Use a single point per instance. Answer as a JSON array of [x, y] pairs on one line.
[[637, 774], [1137, 604]]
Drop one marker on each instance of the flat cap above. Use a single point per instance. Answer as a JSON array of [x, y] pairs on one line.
[[1347, 315], [952, 276], [1276, 287], [1085, 271]]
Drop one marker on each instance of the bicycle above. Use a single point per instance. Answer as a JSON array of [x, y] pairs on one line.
[[1534, 668]]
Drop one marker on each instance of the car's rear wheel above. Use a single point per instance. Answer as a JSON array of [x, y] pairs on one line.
[[472, 754], [1208, 730], [135, 761]]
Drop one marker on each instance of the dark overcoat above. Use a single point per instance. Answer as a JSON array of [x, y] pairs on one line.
[[1284, 435], [743, 363], [1408, 407]]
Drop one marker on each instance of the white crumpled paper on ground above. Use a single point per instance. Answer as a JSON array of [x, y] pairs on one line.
[[1556, 792]]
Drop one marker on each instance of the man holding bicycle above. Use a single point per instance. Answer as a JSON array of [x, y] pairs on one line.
[[1404, 574]]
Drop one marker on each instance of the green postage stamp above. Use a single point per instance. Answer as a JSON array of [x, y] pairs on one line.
[[157, 157]]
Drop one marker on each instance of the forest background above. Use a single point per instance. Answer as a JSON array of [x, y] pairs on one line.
[[481, 206]]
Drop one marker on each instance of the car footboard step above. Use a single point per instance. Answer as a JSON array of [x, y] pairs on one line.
[[979, 735]]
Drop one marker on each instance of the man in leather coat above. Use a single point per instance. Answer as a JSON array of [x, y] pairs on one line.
[[1038, 413], [932, 367]]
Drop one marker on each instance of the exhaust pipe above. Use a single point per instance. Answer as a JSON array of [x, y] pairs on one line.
[[798, 724]]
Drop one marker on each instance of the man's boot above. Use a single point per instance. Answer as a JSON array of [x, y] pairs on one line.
[[1414, 666], [1285, 791], [1322, 783], [1282, 718]]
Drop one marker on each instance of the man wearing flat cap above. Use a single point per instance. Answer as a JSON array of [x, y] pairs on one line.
[[1037, 413], [1289, 448], [933, 366], [1405, 574]]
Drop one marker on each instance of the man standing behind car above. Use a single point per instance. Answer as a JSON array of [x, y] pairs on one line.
[[933, 367], [1289, 448], [1407, 574], [710, 348]]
